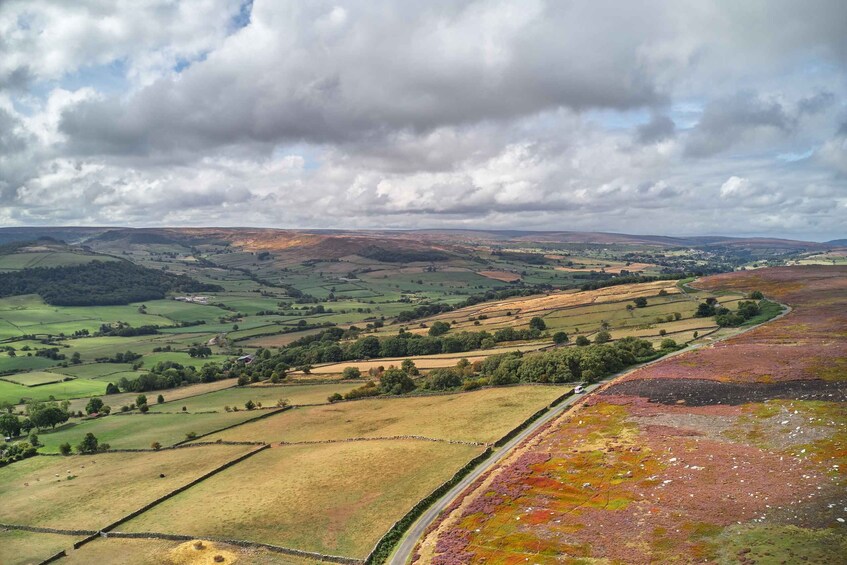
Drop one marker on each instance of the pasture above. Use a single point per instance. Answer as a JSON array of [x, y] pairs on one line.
[[33, 378], [335, 498], [91, 491], [76, 388], [18, 547], [267, 395], [139, 431], [127, 398], [479, 416]]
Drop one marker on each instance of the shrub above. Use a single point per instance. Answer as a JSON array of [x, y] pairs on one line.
[[560, 338], [439, 328], [757, 295], [160, 399], [537, 323], [156, 445], [640, 302], [602, 337], [191, 435], [65, 448], [582, 341], [250, 405], [668, 344], [335, 397], [351, 373]]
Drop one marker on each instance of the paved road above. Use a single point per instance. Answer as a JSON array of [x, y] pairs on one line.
[[407, 545]]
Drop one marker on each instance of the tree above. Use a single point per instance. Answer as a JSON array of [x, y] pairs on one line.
[[140, 399], [640, 302], [89, 444], [94, 405], [757, 295], [250, 405], [112, 389], [395, 381], [75, 359], [677, 316], [65, 448], [156, 445], [582, 341], [602, 337], [408, 366], [667, 343], [537, 323], [351, 373], [160, 399], [560, 337], [10, 425], [442, 379], [334, 397], [33, 439], [47, 414], [143, 408], [439, 328]]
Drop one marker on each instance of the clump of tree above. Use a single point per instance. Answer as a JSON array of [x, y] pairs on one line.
[[90, 444], [16, 452]]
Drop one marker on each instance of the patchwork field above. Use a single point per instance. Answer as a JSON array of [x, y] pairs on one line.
[[336, 498], [480, 416], [740, 459], [89, 492]]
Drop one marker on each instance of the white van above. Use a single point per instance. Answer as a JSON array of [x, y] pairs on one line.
[[579, 389]]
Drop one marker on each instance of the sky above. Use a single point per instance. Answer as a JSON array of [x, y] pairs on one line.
[[676, 117]]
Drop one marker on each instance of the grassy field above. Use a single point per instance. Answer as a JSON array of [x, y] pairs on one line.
[[18, 261], [75, 388], [25, 548], [28, 314], [23, 363], [337, 498], [482, 416], [102, 487], [33, 378], [163, 552], [127, 398], [136, 431], [267, 395]]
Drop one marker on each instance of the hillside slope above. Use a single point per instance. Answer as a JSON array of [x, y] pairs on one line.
[[735, 453]]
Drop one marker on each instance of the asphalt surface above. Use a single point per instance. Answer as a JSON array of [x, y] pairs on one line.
[[405, 548]]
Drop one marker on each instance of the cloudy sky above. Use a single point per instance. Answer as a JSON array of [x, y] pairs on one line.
[[670, 117]]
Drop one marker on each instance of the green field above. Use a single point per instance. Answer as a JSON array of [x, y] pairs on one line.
[[337, 498], [75, 388], [18, 261], [34, 378], [267, 395], [482, 416], [139, 431], [90, 491], [28, 314]]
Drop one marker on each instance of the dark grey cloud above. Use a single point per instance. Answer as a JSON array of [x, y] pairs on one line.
[[728, 121], [816, 103], [658, 128]]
